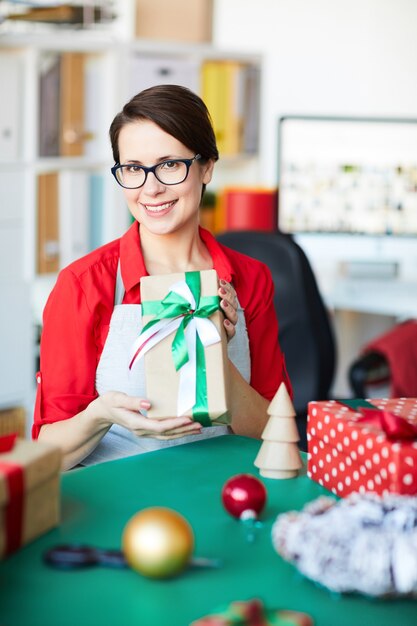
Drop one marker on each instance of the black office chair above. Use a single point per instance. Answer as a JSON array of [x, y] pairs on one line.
[[305, 331]]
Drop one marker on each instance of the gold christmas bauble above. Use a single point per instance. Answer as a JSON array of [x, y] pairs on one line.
[[158, 542]]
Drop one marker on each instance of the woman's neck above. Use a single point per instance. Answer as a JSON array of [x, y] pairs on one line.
[[176, 252]]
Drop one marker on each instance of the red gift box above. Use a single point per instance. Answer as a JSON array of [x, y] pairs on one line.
[[348, 452]]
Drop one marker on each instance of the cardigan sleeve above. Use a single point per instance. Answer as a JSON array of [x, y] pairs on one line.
[[268, 368], [68, 354]]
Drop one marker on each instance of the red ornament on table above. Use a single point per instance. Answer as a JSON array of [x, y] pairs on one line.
[[244, 496]]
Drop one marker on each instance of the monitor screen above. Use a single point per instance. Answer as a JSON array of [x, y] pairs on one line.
[[347, 175]]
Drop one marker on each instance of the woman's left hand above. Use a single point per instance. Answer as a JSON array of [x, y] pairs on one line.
[[228, 304]]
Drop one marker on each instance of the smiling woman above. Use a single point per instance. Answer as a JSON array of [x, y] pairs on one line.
[[161, 179], [164, 150]]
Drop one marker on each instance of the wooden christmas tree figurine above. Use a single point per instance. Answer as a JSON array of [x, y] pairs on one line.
[[279, 456]]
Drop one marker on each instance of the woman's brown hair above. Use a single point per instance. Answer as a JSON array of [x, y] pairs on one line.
[[177, 111]]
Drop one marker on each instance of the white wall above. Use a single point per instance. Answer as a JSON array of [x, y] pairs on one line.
[[333, 57], [327, 57]]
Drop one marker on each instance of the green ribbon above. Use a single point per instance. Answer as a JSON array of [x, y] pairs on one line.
[[356, 404], [250, 612], [174, 305]]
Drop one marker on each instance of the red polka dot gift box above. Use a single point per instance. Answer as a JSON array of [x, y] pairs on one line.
[[365, 447]]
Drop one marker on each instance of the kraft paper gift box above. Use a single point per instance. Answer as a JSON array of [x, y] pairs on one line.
[[13, 420], [204, 374], [362, 450], [183, 20], [29, 491]]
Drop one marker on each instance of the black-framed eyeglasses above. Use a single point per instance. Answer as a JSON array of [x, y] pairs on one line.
[[172, 172]]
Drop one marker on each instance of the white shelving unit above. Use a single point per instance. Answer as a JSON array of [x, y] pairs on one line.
[[109, 60]]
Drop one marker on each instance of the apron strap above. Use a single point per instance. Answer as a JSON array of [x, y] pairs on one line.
[[119, 291]]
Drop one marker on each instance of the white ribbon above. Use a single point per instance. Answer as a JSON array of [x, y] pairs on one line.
[[207, 333]]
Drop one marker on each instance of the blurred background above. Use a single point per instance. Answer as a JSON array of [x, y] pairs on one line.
[[314, 103]]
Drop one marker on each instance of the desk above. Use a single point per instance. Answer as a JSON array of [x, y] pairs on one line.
[[365, 273], [379, 297], [98, 501]]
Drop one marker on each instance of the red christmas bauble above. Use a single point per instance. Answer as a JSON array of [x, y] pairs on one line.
[[244, 496]]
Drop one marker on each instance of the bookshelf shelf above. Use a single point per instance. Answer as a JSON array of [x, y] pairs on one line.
[[45, 164]]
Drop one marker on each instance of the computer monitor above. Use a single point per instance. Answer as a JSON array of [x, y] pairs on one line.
[[347, 175]]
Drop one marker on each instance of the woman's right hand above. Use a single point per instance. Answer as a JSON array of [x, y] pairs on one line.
[[115, 407]]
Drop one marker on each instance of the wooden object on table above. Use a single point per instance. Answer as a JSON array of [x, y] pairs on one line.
[[279, 456]]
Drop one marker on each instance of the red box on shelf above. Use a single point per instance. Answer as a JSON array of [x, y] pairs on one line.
[[346, 454], [251, 209]]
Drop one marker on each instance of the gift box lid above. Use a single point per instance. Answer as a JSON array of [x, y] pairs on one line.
[[321, 414], [38, 460], [159, 285]]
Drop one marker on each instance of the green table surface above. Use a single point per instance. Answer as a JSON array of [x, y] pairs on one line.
[[98, 501]]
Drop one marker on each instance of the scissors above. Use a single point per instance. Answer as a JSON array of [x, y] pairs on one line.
[[75, 556]]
